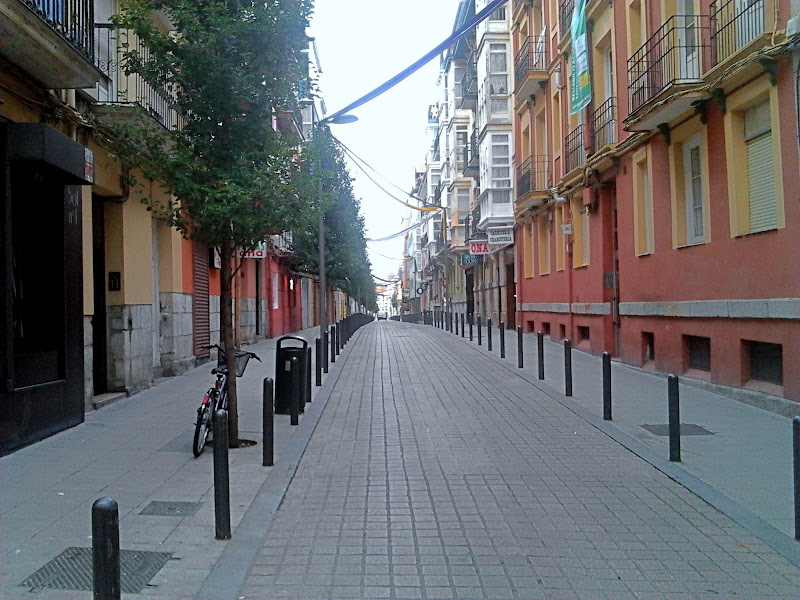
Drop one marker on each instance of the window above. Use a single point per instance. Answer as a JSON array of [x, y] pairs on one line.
[[648, 347], [527, 239], [580, 220], [544, 243], [498, 15], [760, 168], [583, 334], [497, 170], [463, 199], [765, 362], [698, 350], [497, 81], [643, 204], [693, 180]]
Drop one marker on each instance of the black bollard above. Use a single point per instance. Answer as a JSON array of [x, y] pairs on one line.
[[796, 448], [268, 422], [519, 347], [294, 398], [105, 549], [325, 337], [489, 334], [479, 330], [222, 492], [333, 343], [502, 333], [674, 411], [450, 316], [470, 327], [308, 374], [456, 320], [338, 338], [567, 368], [462, 325], [540, 352], [606, 386], [318, 362]]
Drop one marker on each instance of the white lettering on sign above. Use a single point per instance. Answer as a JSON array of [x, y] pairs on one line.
[[259, 252], [88, 165]]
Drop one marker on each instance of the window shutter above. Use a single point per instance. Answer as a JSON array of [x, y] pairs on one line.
[[761, 183], [585, 236]]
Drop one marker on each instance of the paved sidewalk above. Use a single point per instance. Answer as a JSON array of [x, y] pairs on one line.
[[436, 473], [137, 450]]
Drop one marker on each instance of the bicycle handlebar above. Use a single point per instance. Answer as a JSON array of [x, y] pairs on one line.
[[239, 351]]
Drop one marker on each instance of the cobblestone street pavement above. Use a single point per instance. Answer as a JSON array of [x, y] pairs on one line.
[[434, 473]]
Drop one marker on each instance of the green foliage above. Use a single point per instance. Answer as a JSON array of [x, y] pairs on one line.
[[230, 67]]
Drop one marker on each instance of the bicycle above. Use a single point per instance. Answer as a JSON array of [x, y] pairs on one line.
[[217, 396]]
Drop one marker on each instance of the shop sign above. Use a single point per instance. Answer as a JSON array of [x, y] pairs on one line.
[[259, 252], [501, 236], [469, 260]]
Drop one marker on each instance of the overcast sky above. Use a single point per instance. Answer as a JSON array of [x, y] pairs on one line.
[[361, 44]]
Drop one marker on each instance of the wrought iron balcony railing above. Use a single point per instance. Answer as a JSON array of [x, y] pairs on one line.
[[469, 82], [565, 10], [533, 175], [673, 54], [574, 148], [532, 56], [603, 124], [72, 19], [734, 24], [131, 89]]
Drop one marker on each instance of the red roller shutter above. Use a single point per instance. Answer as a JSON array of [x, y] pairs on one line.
[[200, 320]]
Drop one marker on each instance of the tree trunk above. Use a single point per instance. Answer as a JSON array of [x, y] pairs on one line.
[[226, 332]]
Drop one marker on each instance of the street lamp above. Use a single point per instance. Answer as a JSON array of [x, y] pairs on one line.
[[323, 284]]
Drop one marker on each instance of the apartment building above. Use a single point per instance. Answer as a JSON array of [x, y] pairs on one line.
[[652, 219]]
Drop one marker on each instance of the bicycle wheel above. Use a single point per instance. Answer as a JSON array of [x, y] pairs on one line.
[[202, 427]]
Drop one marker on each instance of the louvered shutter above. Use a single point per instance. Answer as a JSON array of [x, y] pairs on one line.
[[761, 183], [585, 236], [201, 330]]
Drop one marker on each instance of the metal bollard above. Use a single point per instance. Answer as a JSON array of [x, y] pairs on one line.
[[462, 325], [567, 368], [796, 448], [268, 422], [451, 322], [502, 333], [333, 343], [519, 347], [606, 386], [540, 352], [308, 374], [318, 362], [338, 338], [325, 338], [456, 319], [470, 327], [674, 412], [479, 330], [222, 492], [294, 399], [105, 549], [489, 334]]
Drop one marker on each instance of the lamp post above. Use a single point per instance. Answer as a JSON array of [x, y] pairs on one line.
[[323, 284]]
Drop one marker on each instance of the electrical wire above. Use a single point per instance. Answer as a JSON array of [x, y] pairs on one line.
[[399, 233]]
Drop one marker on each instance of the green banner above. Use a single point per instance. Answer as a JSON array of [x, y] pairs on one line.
[[580, 79]]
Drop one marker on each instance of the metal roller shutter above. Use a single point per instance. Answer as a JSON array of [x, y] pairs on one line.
[[201, 329], [761, 183]]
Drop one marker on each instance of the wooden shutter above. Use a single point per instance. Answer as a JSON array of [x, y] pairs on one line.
[[761, 183], [585, 236], [200, 320]]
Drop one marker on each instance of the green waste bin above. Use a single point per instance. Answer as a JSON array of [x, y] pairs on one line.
[[283, 374]]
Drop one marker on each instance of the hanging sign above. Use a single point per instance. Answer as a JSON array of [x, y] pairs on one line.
[[259, 252], [580, 81], [501, 236]]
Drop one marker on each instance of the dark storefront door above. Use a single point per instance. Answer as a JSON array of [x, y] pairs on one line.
[[470, 285], [511, 297]]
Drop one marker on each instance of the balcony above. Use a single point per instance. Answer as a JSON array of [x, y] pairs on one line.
[[603, 124], [51, 40], [735, 25], [574, 149], [530, 65], [533, 177], [469, 85], [131, 90], [496, 207], [471, 157], [565, 11], [669, 62]]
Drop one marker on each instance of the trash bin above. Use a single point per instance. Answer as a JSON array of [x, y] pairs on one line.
[[283, 374]]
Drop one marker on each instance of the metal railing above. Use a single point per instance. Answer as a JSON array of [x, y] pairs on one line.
[[110, 44], [574, 149], [565, 10], [532, 56], [469, 81], [673, 54], [533, 174], [603, 124], [73, 20], [734, 25], [471, 157]]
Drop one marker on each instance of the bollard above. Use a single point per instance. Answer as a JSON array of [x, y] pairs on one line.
[[268, 422], [325, 351], [456, 319], [318, 362], [450, 320], [294, 399], [479, 330], [470, 327], [338, 338], [222, 492], [105, 549], [489, 334], [567, 368], [333, 343], [502, 333], [606, 386], [462, 325], [519, 347], [308, 374], [796, 448], [674, 411], [540, 352]]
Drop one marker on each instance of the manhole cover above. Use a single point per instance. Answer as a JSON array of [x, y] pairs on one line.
[[686, 429], [161, 508], [72, 570]]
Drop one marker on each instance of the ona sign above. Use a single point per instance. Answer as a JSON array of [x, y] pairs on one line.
[[479, 248]]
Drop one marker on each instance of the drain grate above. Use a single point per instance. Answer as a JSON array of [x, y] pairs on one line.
[[161, 508], [72, 570], [686, 429]]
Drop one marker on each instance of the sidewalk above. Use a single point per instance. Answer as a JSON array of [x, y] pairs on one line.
[[137, 450]]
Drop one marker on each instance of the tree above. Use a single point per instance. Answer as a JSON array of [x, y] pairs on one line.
[[230, 66]]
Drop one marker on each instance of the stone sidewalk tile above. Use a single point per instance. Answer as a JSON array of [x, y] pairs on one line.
[[434, 473]]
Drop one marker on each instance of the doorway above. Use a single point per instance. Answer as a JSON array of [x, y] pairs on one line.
[[511, 298], [99, 333]]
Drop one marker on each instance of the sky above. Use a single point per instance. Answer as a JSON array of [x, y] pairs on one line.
[[361, 44]]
